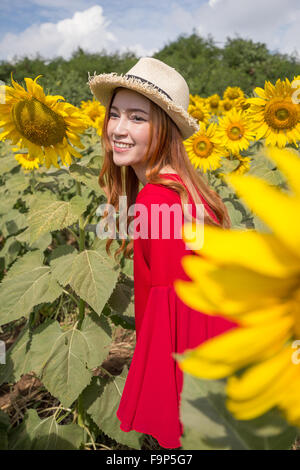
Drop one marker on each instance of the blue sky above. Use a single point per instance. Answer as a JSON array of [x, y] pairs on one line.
[[58, 27]]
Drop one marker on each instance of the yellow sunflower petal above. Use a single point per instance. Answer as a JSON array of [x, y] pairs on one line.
[[260, 252], [235, 349], [272, 208], [234, 288]]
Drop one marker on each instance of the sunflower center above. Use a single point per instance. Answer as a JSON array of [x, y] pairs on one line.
[[227, 105], [235, 131], [198, 114], [214, 102], [232, 95], [38, 123], [281, 114], [203, 147]]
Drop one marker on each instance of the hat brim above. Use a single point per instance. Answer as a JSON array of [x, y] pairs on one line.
[[103, 85]]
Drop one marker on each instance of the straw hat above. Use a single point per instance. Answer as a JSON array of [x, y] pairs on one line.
[[158, 82]]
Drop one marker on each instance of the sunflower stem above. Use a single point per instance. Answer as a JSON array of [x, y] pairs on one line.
[[80, 408], [81, 248]]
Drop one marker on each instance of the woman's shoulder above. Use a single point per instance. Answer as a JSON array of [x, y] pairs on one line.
[[157, 194]]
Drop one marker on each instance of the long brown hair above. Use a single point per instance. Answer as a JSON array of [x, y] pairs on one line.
[[165, 148]]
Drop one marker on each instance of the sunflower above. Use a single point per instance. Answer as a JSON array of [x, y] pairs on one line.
[[275, 116], [213, 102], [244, 165], [226, 105], [253, 279], [235, 131], [204, 148], [27, 162], [296, 86], [95, 113], [232, 93], [40, 123], [241, 104], [200, 112]]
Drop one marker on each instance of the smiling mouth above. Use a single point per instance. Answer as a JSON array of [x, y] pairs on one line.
[[122, 146]]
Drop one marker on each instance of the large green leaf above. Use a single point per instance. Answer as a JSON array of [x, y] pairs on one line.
[[47, 214], [7, 164], [101, 400], [41, 243], [90, 273], [209, 425], [264, 168], [10, 251], [64, 360], [44, 434], [17, 359], [17, 183], [88, 176], [29, 284], [12, 222]]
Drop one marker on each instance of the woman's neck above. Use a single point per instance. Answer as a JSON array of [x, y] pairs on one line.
[[140, 171]]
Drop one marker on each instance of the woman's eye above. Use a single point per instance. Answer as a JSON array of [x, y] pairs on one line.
[[134, 116], [138, 118]]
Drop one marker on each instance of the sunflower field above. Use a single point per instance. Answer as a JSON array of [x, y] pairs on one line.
[[67, 307]]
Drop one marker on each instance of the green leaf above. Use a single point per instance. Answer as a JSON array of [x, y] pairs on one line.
[[44, 434], [10, 251], [30, 287], [41, 243], [90, 273], [7, 164], [17, 359], [17, 183], [209, 425], [235, 215], [101, 400], [88, 176], [12, 222], [122, 299], [64, 359], [46, 214]]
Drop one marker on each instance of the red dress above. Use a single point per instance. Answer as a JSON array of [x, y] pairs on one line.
[[150, 402]]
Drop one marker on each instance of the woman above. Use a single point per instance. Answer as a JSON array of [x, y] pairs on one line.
[[144, 126]]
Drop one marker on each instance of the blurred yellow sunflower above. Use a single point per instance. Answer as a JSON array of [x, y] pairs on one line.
[[95, 113], [204, 148], [274, 114], [235, 131], [40, 123], [232, 93], [213, 102], [253, 279], [199, 112]]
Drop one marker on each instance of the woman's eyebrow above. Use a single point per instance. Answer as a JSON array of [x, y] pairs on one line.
[[132, 109]]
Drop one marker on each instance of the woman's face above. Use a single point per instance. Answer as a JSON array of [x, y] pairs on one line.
[[129, 124]]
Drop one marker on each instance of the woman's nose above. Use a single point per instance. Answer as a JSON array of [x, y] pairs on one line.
[[121, 126]]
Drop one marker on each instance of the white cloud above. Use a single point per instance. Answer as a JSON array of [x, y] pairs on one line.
[[143, 29], [88, 29], [273, 22]]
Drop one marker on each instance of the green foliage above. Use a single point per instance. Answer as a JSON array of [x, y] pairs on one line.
[[209, 425]]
